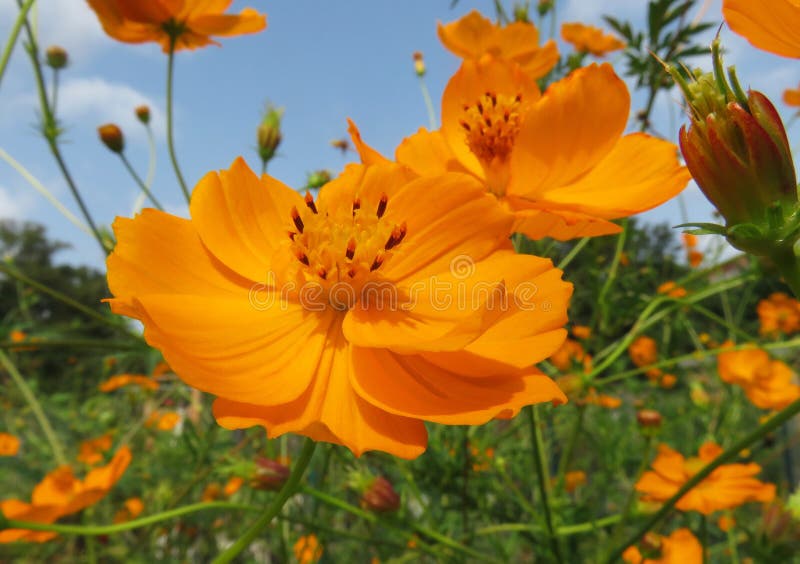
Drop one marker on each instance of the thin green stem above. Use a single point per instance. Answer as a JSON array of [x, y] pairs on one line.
[[573, 252], [170, 132], [629, 501], [565, 531], [730, 454], [733, 546], [426, 95], [139, 182], [603, 308], [14, 35], [542, 477], [36, 408], [54, 92], [272, 510]]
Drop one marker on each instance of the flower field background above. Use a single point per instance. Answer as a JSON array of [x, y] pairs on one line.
[[464, 348]]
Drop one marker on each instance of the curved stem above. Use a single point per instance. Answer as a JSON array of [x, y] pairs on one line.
[[426, 95], [36, 408], [288, 489], [138, 180], [730, 454], [170, 134], [537, 448], [14, 35]]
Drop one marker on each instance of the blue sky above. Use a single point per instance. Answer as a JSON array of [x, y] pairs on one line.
[[323, 61]]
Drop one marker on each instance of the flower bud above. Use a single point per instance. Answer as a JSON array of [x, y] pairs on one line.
[[649, 418], [318, 179], [521, 13], [269, 133], [419, 64], [111, 136], [56, 57], [544, 7], [143, 113], [269, 474], [380, 496]]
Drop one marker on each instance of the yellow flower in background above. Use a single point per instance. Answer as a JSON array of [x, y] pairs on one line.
[[771, 26], [590, 39], [766, 382], [9, 445], [189, 23], [681, 547], [319, 317], [474, 37]]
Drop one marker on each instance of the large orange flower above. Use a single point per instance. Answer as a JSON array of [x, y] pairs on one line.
[[60, 493], [681, 547], [350, 319], [557, 161], [771, 26], [766, 382], [474, 37], [728, 486], [190, 23]]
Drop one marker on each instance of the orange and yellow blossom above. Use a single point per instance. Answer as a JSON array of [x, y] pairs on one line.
[[779, 313], [339, 318], [163, 420], [590, 39], [771, 26], [728, 486], [91, 450], [568, 354], [550, 159], [581, 331], [474, 37], [9, 445], [60, 493], [766, 382], [681, 547], [188, 23], [643, 351]]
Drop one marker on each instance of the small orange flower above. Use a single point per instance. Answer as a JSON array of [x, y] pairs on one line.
[[573, 480], [567, 355], [694, 258], [581, 331], [590, 39], [232, 486], [17, 336], [689, 240], [779, 313], [60, 493], [769, 26], [131, 509], [474, 36], [643, 351], [167, 421], [9, 445], [188, 24], [728, 486], [681, 547], [766, 382], [307, 549], [91, 451], [601, 400], [211, 492], [672, 290], [726, 523], [791, 97], [121, 380], [668, 381]]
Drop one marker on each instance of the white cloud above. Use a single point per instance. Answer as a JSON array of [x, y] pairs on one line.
[[11, 207]]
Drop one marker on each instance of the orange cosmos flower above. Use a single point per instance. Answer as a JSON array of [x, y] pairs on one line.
[[590, 39], [163, 421], [474, 37], [681, 547], [769, 26], [233, 485], [672, 290], [573, 480], [694, 258], [766, 382], [728, 486], [131, 509], [570, 352], [91, 450], [9, 445], [549, 159], [188, 23], [643, 351], [307, 549], [60, 493], [340, 318], [121, 380], [17, 336], [601, 400], [779, 313], [581, 331]]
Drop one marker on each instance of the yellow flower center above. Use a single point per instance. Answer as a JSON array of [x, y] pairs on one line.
[[492, 125], [338, 249]]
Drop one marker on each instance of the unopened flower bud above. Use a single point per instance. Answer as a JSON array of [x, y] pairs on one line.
[[56, 57], [111, 136], [318, 179], [143, 113], [419, 64], [269, 133], [269, 474], [544, 7], [521, 12], [380, 496], [648, 418]]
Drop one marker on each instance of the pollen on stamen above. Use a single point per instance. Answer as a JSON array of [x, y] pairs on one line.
[[356, 205], [351, 249], [292, 235], [376, 264], [382, 205], [296, 219], [310, 202], [398, 233], [302, 257], [322, 273]]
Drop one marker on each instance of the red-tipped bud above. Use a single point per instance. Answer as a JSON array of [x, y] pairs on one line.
[[143, 114], [648, 418], [269, 474], [419, 64], [380, 496], [56, 57], [111, 136]]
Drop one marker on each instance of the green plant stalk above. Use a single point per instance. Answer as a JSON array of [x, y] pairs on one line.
[[733, 548], [36, 408], [565, 531], [543, 478], [14, 35], [170, 132], [142, 186], [730, 454], [612, 275], [426, 95], [573, 252], [272, 510], [572, 442]]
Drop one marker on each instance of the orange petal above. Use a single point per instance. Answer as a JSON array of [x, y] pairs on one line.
[[367, 154], [569, 130], [427, 154], [772, 28], [99, 481], [248, 21], [242, 219], [21, 511], [154, 11], [558, 224], [466, 37]]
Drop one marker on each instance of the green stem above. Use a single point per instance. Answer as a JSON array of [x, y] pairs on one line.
[[730, 454], [612, 275], [543, 478], [426, 95], [139, 182], [288, 489], [573, 252], [629, 502], [12, 38], [36, 408], [170, 133], [565, 531], [70, 343]]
